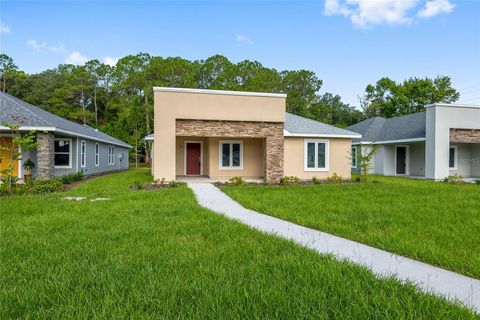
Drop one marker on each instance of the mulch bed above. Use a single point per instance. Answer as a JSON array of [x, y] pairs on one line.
[[278, 184]]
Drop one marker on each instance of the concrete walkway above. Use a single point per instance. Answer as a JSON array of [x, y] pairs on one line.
[[441, 282]]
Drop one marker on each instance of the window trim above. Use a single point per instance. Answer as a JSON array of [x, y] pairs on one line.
[[305, 155], [230, 142], [111, 155], [69, 166], [83, 155], [97, 154], [354, 158], [455, 158]]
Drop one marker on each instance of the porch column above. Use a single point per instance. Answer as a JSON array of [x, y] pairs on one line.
[[274, 153], [45, 156]]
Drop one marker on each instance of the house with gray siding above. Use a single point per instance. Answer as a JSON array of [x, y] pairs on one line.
[[440, 142], [64, 146]]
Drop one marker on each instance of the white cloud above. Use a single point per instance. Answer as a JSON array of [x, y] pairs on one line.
[[366, 13], [4, 28], [243, 39], [37, 46], [110, 61], [76, 58], [435, 7], [57, 49], [43, 46]]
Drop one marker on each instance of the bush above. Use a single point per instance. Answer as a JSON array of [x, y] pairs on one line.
[[46, 186], [315, 180], [477, 181], [358, 179], [290, 180], [236, 181], [455, 179], [176, 184], [334, 178], [137, 185], [72, 177]]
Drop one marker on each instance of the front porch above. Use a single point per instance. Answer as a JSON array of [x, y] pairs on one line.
[[202, 159]]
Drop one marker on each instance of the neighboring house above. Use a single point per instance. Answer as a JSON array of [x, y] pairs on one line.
[[444, 140], [65, 146], [222, 134]]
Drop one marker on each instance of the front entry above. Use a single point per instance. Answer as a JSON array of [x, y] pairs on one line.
[[401, 160], [193, 158], [5, 146]]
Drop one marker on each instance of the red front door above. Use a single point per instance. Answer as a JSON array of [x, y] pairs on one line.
[[194, 155]]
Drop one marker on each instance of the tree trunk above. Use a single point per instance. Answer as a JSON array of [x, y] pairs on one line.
[[147, 127], [4, 82], [95, 105]]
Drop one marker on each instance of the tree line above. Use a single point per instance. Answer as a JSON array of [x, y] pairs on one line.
[[119, 99]]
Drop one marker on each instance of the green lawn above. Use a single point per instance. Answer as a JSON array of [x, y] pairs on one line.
[[157, 254], [428, 221]]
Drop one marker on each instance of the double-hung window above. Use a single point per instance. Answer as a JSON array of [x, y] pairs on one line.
[[83, 154], [62, 150], [354, 157], [231, 155], [111, 155], [316, 155], [97, 155], [452, 158]]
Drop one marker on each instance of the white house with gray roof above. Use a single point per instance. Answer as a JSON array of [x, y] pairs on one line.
[[440, 142], [65, 146]]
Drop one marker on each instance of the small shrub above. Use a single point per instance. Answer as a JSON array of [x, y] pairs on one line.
[[315, 180], [358, 179], [176, 184], [72, 177], [334, 178], [137, 185], [477, 182], [46, 186], [455, 179], [289, 180], [236, 181]]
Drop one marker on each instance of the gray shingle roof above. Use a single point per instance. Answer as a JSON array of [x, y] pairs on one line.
[[16, 111], [399, 128], [302, 126]]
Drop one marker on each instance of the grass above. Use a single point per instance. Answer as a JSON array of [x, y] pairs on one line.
[[158, 255], [433, 222]]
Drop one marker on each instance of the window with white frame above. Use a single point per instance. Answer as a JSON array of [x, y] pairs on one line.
[[111, 155], [452, 158], [231, 155], [83, 154], [354, 157], [97, 155], [62, 150], [316, 155]]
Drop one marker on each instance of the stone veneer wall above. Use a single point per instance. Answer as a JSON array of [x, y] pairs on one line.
[[464, 136], [272, 132], [45, 156]]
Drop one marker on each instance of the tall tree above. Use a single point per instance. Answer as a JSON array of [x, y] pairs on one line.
[[7, 68], [389, 99]]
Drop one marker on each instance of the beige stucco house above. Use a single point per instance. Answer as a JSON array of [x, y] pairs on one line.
[[222, 134]]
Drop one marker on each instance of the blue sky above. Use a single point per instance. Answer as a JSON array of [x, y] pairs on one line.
[[347, 44]]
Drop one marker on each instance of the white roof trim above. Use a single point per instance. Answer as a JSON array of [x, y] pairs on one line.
[[223, 92], [53, 129], [455, 105], [287, 133], [391, 141]]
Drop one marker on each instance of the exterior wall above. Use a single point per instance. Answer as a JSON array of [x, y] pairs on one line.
[[379, 161], [440, 119], [389, 160], [170, 106], [468, 161], [6, 142], [339, 158], [417, 159], [270, 132], [253, 162], [464, 136], [103, 166], [475, 161]]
